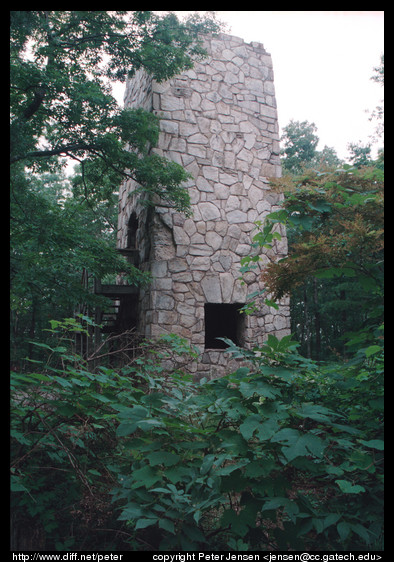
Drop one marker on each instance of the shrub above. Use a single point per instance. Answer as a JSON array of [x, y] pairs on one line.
[[276, 455]]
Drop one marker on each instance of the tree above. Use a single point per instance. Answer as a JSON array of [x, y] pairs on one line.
[[360, 155], [55, 238], [378, 112], [334, 270], [61, 103], [62, 64], [300, 142], [327, 158]]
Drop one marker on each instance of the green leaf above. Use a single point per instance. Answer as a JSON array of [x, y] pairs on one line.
[[335, 470], [275, 503], [143, 523], [161, 457], [268, 465], [177, 474], [267, 429], [126, 428], [348, 488], [149, 424], [249, 426], [290, 506], [197, 516], [343, 530], [94, 472], [232, 441], [331, 519], [255, 469], [318, 524], [135, 413], [346, 428], [321, 206], [238, 525], [162, 490], [16, 486], [298, 444], [130, 512], [279, 372], [79, 382], [167, 525], [19, 436], [362, 460], [40, 344], [271, 304], [67, 410], [101, 397], [248, 389], [361, 531], [145, 477], [207, 463], [314, 412], [63, 382], [372, 349], [373, 444]]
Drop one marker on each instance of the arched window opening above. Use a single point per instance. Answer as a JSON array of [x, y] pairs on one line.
[[132, 228]]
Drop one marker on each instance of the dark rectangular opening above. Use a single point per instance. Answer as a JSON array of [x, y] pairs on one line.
[[132, 228], [223, 321]]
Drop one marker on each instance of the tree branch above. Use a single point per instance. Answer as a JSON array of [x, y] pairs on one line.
[[53, 152], [39, 95]]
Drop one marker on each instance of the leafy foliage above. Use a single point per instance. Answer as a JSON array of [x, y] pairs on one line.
[[61, 101], [300, 142], [334, 268], [277, 453], [55, 237]]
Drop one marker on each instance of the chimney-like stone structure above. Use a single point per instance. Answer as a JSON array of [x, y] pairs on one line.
[[219, 121]]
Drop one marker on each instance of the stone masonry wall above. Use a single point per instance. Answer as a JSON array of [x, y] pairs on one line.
[[219, 121]]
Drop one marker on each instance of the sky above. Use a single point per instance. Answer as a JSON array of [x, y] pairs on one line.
[[323, 62]]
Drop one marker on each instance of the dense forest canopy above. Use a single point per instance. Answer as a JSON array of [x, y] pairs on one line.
[[109, 453]]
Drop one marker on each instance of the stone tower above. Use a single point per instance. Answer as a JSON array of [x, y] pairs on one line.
[[219, 121]]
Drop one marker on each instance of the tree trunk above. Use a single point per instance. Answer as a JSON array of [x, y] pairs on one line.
[[306, 322], [317, 319]]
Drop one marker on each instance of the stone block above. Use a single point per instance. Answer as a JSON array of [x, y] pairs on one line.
[[232, 203], [182, 277], [180, 236], [227, 284], [166, 317], [162, 301], [228, 179], [204, 185], [200, 250], [169, 102], [208, 211], [214, 240], [201, 263], [210, 173], [211, 288], [236, 217], [159, 268], [198, 138]]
